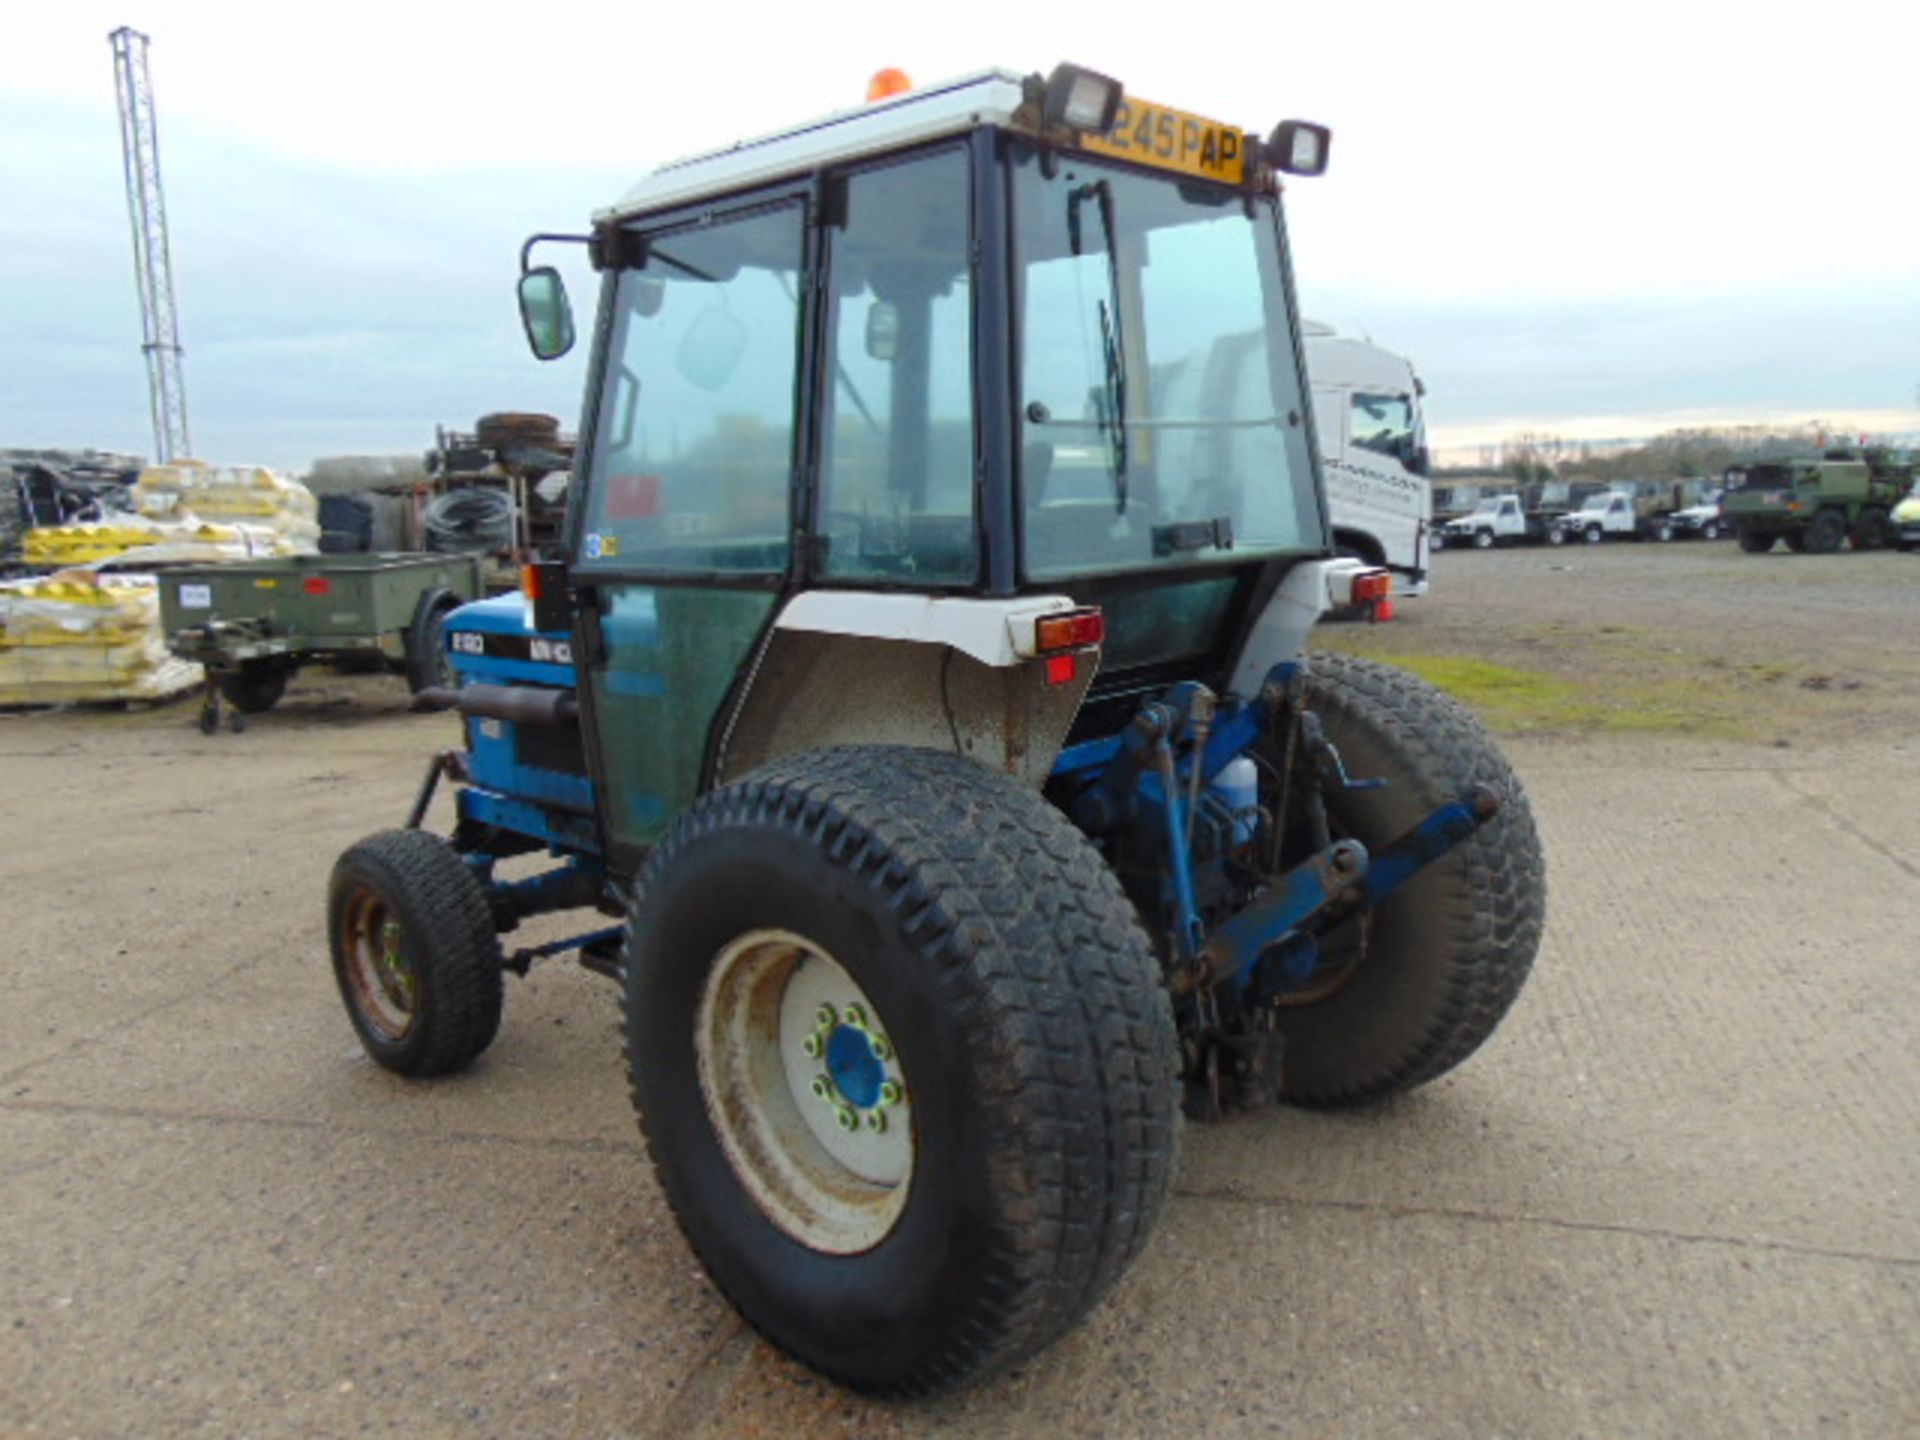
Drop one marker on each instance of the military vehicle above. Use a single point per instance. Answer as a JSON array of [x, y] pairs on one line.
[[1815, 505]]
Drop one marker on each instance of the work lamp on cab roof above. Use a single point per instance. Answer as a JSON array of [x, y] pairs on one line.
[[1299, 147], [1081, 100]]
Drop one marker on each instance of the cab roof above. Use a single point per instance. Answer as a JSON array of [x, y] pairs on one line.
[[953, 107]]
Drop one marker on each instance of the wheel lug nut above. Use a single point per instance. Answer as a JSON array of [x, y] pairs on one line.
[[881, 1049], [822, 1088], [876, 1122], [826, 1015], [855, 1017], [812, 1047], [848, 1120], [890, 1092]]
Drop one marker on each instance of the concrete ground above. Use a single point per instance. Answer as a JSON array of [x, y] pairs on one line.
[[1676, 1195]]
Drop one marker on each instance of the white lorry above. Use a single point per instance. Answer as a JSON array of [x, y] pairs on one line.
[[1373, 453]]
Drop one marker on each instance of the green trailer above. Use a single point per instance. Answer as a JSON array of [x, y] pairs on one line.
[[254, 624]]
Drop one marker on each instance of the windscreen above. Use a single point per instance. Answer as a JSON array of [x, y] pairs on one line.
[[1162, 417]]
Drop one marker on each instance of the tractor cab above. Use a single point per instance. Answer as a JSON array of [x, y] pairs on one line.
[[873, 394]]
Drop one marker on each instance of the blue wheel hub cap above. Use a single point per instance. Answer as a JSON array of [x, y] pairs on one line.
[[857, 1072]]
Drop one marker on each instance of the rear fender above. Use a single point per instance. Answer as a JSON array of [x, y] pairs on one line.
[[1311, 589], [841, 668]]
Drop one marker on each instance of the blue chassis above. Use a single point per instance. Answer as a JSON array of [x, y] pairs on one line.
[[1145, 773]]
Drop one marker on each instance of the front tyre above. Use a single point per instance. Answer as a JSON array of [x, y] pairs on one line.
[[1445, 956], [256, 687], [415, 953], [904, 1062]]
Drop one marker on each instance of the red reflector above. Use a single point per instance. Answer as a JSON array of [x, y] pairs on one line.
[[530, 583], [1059, 669], [317, 585], [1384, 610], [1069, 630], [1370, 585]]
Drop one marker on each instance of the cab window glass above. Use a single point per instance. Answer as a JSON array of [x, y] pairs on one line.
[[897, 495], [1383, 424], [1159, 419], [693, 458]]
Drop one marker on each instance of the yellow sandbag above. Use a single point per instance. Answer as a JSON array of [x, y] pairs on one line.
[[76, 636]]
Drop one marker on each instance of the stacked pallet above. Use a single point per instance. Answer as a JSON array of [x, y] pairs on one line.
[[76, 636], [244, 495], [90, 542]]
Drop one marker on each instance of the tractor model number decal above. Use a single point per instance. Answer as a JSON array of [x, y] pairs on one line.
[[469, 642]]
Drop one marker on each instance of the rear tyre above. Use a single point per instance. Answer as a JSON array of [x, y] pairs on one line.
[[255, 687], [1591, 535], [428, 663], [1006, 993], [1445, 957], [1872, 531], [1825, 532], [1556, 536], [415, 953], [1483, 539]]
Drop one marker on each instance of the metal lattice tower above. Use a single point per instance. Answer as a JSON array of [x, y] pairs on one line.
[[147, 208]]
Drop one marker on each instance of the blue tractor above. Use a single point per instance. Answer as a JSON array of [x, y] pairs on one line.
[[923, 699]]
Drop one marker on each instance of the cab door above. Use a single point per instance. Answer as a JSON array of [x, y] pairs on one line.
[[682, 537]]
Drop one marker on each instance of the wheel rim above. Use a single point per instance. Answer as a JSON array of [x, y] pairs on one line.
[[805, 1092], [379, 970]]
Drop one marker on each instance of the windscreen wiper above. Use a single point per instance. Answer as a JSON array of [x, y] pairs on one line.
[[1112, 408]]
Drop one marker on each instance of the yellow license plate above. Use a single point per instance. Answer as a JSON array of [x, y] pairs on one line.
[[1150, 134]]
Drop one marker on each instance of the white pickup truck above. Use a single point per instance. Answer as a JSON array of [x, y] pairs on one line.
[[1373, 453], [1612, 514], [1499, 520]]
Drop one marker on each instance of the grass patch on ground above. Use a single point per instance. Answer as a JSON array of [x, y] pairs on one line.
[[1518, 701]]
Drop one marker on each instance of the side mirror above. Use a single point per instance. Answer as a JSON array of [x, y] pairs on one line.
[[883, 331], [545, 313]]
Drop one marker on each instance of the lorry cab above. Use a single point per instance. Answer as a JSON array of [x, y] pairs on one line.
[[1367, 408]]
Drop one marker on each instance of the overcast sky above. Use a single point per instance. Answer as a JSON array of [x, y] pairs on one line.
[[1590, 221]]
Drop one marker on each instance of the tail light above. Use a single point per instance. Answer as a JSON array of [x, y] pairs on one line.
[[1069, 630], [1370, 586]]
